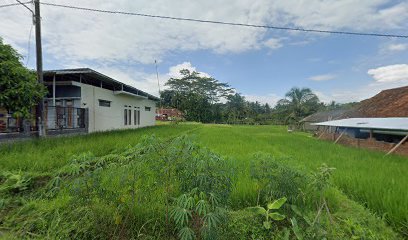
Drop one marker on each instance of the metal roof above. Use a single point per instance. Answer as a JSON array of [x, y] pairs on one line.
[[99, 76], [397, 123], [325, 115]]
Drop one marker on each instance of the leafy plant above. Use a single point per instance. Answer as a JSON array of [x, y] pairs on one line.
[[197, 214], [14, 182], [305, 228], [20, 90], [206, 171], [275, 179], [268, 214], [321, 182]]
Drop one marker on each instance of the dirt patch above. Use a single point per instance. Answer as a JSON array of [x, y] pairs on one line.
[[371, 144]]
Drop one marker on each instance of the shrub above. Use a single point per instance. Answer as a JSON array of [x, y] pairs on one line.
[[275, 179]]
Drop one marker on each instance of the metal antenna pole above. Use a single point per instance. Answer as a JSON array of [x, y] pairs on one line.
[[158, 82]]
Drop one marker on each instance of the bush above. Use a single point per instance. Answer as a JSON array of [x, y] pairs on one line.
[[276, 180]]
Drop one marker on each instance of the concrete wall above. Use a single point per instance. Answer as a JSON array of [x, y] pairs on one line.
[[108, 118]]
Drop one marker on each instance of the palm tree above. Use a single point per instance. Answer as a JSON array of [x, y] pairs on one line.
[[298, 103]]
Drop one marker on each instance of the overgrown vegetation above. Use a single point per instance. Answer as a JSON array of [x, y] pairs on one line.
[[171, 187], [19, 89], [377, 182]]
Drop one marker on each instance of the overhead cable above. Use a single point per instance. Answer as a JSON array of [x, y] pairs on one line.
[[370, 34]]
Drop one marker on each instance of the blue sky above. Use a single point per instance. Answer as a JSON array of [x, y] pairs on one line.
[[261, 64]]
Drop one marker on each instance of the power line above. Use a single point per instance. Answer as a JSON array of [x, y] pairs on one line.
[[13, 4], [229, 23], [29, 9]]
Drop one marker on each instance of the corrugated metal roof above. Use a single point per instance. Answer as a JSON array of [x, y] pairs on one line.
[[400, 123], [324, 115], [98, 75]]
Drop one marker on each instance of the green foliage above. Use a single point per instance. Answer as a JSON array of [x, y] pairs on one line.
[[19, 88], [206, 171], [118, 185], [268, 214], [244, 224], [199, 98], [297, 104], [276, 180], [194, 95], [14, 182], [197, 215], [321, 178]]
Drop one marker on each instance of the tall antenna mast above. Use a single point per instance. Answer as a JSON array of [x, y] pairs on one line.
[[158, 82]]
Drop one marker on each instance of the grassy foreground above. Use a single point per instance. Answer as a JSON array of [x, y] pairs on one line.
[[374, 181], [380, 183]]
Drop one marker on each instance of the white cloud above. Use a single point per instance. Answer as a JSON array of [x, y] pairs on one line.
[[397, 47], [324, 77], [323, 97], [273, 43], [385, 77], [271, 99], [79, 36], [144, 81], [391, 73], [174, 71]]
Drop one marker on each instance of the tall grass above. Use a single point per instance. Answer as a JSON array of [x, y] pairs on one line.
[[47, 154], [378, 182]]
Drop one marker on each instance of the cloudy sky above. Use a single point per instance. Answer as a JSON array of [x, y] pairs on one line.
[[261, 64]]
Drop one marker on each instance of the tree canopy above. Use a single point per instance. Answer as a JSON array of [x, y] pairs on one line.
[[205, 99], [195, 95], [19, 89], [297, 104]]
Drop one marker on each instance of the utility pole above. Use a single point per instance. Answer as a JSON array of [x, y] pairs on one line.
[[37, 22]]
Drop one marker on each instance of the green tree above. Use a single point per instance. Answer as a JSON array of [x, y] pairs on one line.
[[297, 104], [19, 89], [195, 95], [235, 108]]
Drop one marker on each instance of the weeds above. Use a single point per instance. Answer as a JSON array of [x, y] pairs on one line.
[[143, 188]]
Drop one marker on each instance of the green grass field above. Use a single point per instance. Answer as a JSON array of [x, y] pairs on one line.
[[377, 182]]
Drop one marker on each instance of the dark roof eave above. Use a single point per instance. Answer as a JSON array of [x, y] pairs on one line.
[[101, 76]]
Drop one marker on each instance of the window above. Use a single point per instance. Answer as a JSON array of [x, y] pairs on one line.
[[104, 103], [147, 109], [126, 118], [130, 116]]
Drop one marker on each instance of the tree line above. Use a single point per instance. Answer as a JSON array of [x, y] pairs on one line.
[[200, 98], [205, 99]]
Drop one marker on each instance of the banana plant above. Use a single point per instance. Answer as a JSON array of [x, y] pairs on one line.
[[269, 212]]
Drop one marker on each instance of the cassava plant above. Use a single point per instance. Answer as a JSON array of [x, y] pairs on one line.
[[197, 215], [275, 179], [320, 183]]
